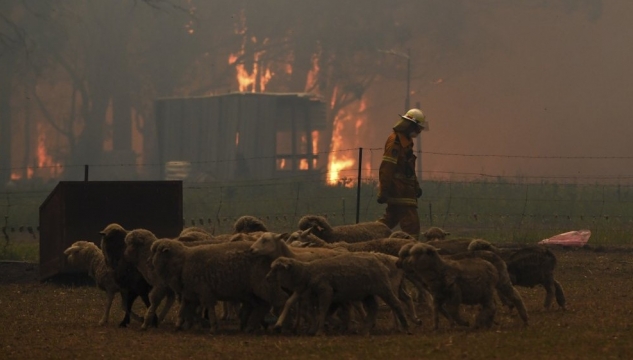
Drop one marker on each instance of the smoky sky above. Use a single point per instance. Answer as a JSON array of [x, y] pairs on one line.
[[534, 83]]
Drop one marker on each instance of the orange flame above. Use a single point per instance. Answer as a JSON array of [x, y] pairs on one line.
[[50, 168], [256, 80], [340, 161], [313, 74]]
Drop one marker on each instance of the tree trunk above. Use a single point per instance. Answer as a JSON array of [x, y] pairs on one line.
[[7, 65]]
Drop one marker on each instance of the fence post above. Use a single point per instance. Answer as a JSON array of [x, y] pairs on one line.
[[86, 172], [360, 167]]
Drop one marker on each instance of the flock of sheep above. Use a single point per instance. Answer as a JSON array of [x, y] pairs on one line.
[[317, 278]]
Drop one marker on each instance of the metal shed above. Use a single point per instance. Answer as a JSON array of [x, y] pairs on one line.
[[79, 210], [242, 135]]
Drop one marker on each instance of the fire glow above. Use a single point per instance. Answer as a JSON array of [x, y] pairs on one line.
[[44, 159], [257, 79], [347, 122], [340, 160]]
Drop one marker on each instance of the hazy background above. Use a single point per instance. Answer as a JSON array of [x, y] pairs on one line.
[[531, 82], [537, 89]]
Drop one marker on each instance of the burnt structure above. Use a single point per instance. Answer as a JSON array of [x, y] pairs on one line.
[[241, 135]]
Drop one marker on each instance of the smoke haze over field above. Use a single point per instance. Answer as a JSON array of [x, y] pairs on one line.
[[545, 86], [534, 83]]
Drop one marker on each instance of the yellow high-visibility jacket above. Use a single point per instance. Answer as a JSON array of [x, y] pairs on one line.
[[397, 178]]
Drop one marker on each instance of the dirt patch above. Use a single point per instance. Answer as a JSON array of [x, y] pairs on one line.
[[18, 272]]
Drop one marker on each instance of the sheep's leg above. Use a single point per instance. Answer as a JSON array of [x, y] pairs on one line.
[[325, 299], [228, 309], [560, 294], [291, 301], [171, 298], [438, 308], [405, 298], [513, 297], [245, 312], [256, 318], [424, 296], [184, 312], [155, 297], [371, 306], [550, 290], [213, 319], [344, 313], [451, 306], [108, 305], [307, 311], [487, 313], [133, 315], [129, 301], [396, 306]]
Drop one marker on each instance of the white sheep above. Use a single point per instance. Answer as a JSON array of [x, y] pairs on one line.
[[390, 246], [350, 233], [86, 256], [342, 279], [137, 252], [205, 274], [194, 233], [272, 246]]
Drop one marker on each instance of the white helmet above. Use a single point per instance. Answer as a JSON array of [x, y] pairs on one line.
[[417, 117]]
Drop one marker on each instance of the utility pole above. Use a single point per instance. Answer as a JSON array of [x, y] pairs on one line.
[[407, 102], [407, 99]]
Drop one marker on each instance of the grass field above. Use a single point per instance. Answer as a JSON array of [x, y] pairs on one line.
[[60, 322]]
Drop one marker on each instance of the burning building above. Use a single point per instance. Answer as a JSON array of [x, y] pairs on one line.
[[242, 135]]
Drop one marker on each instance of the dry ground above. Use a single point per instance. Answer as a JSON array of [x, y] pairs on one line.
[[54, 321]]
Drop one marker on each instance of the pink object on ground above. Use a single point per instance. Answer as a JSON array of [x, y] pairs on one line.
[[571, 238]]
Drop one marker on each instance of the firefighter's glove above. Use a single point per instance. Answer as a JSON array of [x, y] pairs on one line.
[[418, 192], [381, 199]]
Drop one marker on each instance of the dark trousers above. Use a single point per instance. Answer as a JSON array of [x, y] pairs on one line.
[[406, 216]]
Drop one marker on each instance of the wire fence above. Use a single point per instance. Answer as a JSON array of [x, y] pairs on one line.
[[499, 208]]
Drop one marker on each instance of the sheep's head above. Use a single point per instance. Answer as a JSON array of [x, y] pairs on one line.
[[435, 233], [304, 236], [268, 243], [162, 251], [403, 255], [423, 255], [135, 241], [278, 266], [75, 254], [113, 243]]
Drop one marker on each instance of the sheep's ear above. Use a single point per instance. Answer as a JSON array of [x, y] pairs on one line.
[[102, 233], [425, 233], [283, 236]]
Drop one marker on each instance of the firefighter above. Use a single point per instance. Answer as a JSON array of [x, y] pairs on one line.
[[398, 184]]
